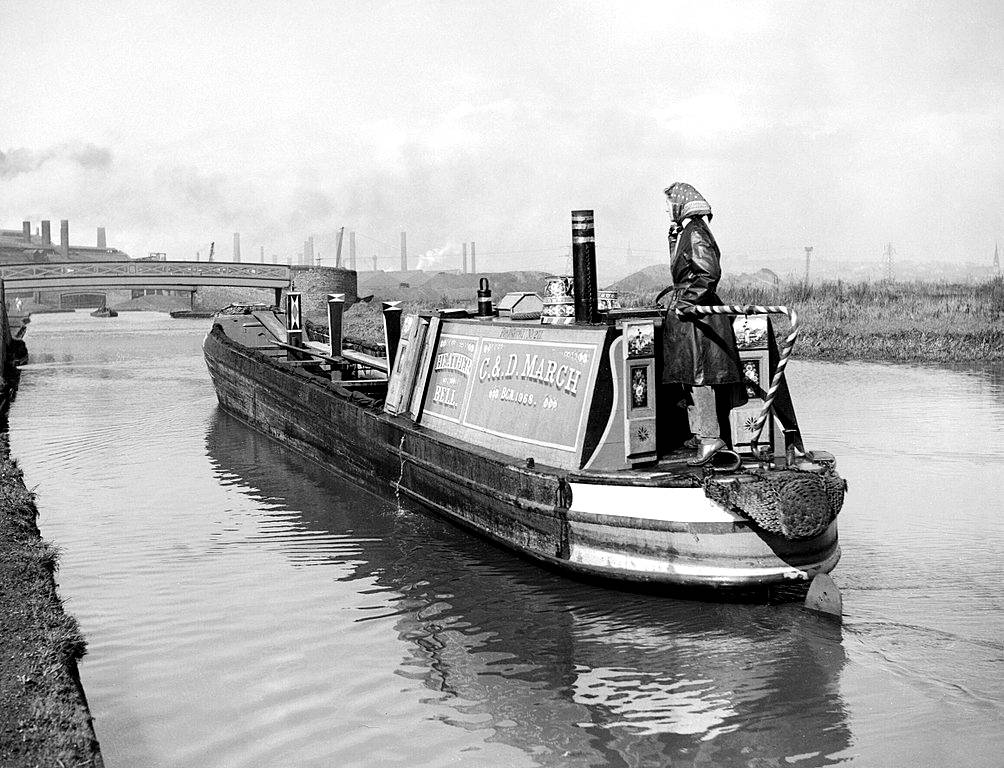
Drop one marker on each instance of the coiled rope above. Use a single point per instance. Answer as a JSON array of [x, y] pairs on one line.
[[787, 346]]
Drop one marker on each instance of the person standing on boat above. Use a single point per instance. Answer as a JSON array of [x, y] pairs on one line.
[[700, 351]]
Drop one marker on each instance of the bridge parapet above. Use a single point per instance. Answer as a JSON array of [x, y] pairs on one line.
[[146, 274]]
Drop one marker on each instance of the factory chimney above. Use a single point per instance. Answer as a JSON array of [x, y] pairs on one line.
[[64, 238], [474, 264], [102, 243], [404, 252], [26, 231], [46, 233], [237, 247], [465, 259], [352, 251], [584, 266]]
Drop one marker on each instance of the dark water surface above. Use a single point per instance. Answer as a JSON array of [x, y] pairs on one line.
[[243, 607]]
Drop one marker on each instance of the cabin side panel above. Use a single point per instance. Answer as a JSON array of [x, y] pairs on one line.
[[525, 391]]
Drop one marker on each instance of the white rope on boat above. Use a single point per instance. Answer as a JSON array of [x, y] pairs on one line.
[[787, 346]]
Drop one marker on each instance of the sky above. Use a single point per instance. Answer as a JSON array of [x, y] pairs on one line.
[[841, 125]]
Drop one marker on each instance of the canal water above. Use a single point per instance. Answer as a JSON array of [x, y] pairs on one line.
[[243, 607]]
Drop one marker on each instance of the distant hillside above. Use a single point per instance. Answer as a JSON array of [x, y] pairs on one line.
[[646, 282]]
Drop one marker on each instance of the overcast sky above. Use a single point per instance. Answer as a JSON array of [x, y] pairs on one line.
[[841, 125]]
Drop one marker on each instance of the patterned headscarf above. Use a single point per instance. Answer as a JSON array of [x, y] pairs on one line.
[[686, 202]]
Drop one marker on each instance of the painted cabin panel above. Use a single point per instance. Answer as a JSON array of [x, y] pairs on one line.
[[521, 390]]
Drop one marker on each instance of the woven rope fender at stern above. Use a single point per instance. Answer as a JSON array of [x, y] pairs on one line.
[[791, 504]]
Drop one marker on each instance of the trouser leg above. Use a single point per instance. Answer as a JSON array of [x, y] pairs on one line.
[[704, 414], [723, 407], [709, 415]]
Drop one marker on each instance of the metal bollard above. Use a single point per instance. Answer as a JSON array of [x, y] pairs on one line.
[[336, 305], [391, 331], [294, 320]]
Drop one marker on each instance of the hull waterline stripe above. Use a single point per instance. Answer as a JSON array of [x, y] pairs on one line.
[[682, 505], [603, 559]]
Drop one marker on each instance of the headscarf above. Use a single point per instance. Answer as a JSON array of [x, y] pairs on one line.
[[686, 202]]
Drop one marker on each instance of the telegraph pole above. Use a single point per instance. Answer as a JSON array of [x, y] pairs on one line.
[[890, 273]]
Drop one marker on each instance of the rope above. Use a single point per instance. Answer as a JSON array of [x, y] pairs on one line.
[[787, 346]]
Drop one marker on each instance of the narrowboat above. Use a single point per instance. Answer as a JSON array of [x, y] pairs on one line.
[[546, 430]]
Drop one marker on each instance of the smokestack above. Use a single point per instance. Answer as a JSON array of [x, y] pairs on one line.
[[374, 262], [474, 264], [26, 231], [263, 254], [584, 266], [46, 232], [404, 252], [64, 238], [102, 243], [237, 247], [352, 250], [465, 258], [338, 248]]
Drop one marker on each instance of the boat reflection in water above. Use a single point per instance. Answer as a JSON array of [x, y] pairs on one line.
[[570, 673]]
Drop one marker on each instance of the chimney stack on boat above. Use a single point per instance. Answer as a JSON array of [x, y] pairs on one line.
[[584, 266], [484, 299]]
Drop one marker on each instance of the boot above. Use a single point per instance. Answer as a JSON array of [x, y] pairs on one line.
[[706, 451]]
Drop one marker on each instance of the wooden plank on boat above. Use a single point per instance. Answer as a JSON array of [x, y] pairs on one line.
[[369, 361], [272, 325], [425, 367], [409, 352]]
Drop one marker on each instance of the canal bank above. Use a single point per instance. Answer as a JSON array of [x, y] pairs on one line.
[[44, 717]]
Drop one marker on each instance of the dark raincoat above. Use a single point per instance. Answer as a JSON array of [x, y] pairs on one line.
[[700, 351]]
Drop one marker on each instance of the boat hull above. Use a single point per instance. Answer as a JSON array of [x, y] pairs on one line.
[[595, 527]]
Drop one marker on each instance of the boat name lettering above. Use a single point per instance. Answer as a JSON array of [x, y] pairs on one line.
[[522, 333], [534, 368], [445, 396], [454, 361]]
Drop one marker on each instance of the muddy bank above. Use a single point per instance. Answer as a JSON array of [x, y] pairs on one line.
[[44, 718]]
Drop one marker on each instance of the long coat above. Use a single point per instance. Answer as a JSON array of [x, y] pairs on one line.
[[700, 351]]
